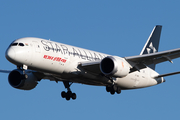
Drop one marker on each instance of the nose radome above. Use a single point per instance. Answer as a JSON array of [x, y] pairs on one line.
[[10, 54]]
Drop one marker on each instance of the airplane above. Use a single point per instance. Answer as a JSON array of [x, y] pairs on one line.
[[37, 59]]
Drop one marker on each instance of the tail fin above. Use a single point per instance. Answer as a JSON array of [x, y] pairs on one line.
[[152, 43]]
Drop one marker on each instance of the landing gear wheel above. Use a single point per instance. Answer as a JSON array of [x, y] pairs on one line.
[[118, 91], [112, 89], [69, 93], [73, 96], [68, 97], [112, 92], [63, 94], [108, 89]]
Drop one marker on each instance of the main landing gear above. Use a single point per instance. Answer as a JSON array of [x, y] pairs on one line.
[[112, 89], [68, 95]]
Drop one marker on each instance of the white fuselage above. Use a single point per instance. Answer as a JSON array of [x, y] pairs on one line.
[[61, 61]]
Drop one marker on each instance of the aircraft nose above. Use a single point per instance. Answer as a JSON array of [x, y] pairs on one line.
[[10, 54]]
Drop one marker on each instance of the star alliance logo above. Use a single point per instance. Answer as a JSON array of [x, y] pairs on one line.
[[151, 48]]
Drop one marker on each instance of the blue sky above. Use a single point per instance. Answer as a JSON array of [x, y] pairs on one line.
[[115, 27]]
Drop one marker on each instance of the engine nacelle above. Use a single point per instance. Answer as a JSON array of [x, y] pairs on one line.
[[24, 82], [114, 66]]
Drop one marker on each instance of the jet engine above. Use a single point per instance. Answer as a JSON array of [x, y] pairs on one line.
[[22, 81], [114, 66]]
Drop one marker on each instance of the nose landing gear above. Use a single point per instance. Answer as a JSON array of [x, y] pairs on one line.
[[68, 95]]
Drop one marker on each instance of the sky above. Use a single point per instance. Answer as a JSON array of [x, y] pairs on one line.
[[118, 27]]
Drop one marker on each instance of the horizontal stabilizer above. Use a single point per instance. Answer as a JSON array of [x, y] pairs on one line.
[[168, 74]]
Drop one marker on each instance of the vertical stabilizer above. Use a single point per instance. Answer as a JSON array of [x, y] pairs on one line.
[[152, 43]]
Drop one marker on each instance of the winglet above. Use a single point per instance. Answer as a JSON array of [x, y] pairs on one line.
[[152, 43]]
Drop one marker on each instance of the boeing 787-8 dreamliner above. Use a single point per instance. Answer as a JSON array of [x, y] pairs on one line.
[[38, 59]]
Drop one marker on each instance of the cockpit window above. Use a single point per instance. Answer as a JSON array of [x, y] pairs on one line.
[[14, 44], [17, 44], [21, 44]]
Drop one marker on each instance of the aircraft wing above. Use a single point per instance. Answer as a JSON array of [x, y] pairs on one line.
[[139, 61], [155, 58], [5, 71], [92, 67]]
